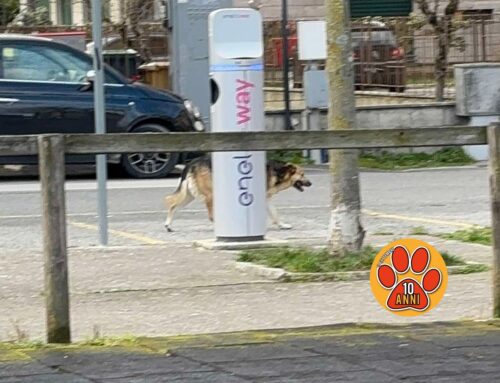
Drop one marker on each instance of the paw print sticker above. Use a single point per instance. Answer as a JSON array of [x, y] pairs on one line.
[[408, 277]]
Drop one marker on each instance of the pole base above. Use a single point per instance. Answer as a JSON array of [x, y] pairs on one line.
[[240, 239], [212, 244]]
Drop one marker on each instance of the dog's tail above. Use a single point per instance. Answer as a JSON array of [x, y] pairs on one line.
[[183, 178], [202, 160], [176, 198]]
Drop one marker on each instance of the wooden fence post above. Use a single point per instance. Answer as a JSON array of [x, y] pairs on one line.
[[52, 175], [494, 156]]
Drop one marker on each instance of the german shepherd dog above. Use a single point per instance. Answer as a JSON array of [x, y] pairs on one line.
[[196, 182]]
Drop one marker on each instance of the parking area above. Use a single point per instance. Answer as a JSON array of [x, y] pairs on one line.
[[441, 200]]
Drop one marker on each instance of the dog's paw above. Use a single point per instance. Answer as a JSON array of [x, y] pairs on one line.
[[285, 226], [168, 229]]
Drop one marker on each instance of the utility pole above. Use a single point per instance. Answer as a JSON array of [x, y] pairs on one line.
[[100, 120], [345, 231], [286, 62]]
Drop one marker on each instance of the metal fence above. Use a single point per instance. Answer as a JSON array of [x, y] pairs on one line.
[[392, 56]]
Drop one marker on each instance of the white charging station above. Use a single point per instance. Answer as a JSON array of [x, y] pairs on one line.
[[236, 70]]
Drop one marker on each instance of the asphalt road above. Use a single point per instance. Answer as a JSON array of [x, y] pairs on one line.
[[440, 200]]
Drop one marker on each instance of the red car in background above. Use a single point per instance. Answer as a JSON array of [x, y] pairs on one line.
[[379, 61]]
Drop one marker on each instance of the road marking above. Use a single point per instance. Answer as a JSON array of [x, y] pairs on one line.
[[146, 212], [93, 214], [119, 233], [34, 186], [441, 222], [371, 213]]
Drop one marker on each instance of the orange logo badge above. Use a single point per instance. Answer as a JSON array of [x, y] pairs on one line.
[[408, 277]]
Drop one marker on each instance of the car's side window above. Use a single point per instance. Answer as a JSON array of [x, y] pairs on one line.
[[27, 64], [32, 62]]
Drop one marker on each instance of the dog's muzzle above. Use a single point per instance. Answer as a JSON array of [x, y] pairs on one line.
[[300, 184]]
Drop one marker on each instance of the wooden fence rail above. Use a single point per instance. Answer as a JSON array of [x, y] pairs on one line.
[[51, 150], [211, 142]]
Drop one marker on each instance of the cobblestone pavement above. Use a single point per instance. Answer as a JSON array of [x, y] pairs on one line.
[[441, 352]]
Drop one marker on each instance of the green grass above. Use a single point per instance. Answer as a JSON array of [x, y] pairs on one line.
[[452, 260], [391, 161], [419, 230], [479, 268], [480, 235], [289, 156], [383, 233], [126, 340], [306, 260], [388, 161]]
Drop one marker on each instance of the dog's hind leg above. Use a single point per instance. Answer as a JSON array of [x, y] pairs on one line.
[[176, 201], [273, 213], [209, 202]]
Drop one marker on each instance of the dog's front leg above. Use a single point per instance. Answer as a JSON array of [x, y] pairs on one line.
[[273, 213]]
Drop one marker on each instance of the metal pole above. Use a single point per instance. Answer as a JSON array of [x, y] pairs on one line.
[[286, 69], [100, 120]]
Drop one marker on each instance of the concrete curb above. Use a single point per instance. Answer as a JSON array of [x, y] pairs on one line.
[[477, 165], [212, 244], [281, 275]]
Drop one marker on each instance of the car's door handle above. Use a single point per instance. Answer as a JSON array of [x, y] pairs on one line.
[[8, 100]]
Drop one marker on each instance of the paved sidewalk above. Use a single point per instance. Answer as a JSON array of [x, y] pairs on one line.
[[170, 290], [443, 352]]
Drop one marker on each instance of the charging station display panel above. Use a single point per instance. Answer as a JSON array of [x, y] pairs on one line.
[[237, 34], [236, 71]]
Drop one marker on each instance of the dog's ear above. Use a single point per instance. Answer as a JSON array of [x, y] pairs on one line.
[[291, 169], [282, 171], [285, 171]]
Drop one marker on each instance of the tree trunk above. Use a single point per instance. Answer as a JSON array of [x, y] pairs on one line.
[[440, 68], [441, 63], [346, 232], [443, 26], [135, 10]]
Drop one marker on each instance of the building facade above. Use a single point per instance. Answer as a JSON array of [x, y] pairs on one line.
[[77, 12]]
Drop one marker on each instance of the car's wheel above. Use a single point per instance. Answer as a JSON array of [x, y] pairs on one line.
[[149, 165]]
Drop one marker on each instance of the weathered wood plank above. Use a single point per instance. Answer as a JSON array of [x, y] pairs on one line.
[[18, 145], [494, 159], [52, 175], [209, 142]]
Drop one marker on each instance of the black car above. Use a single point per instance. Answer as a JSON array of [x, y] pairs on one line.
[[45, 87]]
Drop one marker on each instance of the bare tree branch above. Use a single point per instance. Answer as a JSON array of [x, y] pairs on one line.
[[431, 16], [452, 7], [443, 25]]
